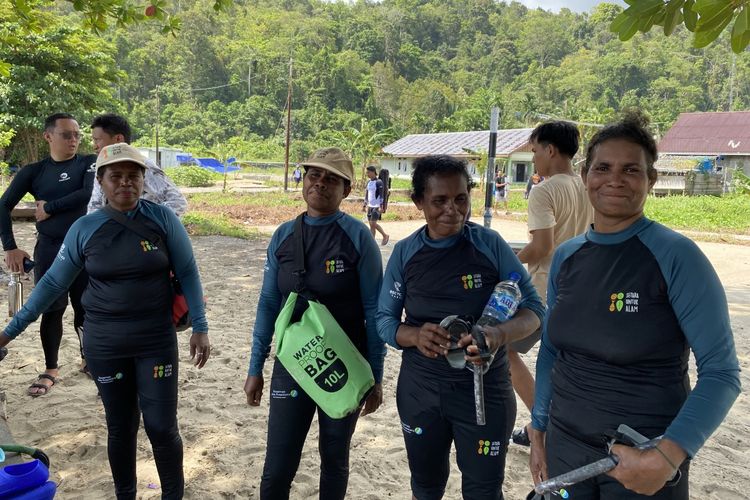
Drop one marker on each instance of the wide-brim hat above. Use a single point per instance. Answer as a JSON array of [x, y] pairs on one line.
[[119, 153], [333, 160]]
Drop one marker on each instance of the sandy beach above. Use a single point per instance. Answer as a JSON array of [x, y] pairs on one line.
[[225, 439]]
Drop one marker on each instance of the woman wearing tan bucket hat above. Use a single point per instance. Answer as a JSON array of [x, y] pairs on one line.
[[343, 270], [130, 341]]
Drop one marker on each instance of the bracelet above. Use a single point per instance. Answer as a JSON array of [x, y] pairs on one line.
[[674, 467]]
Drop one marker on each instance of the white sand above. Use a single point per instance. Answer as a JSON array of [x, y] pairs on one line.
[[225, 439]]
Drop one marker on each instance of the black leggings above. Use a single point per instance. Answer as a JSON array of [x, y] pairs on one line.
[[289, 420], [51, 326], [129, 386]]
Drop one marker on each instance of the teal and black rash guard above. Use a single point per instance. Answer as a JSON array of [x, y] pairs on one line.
[[624, 310], [431, 279], [65, 186], [128, 300], [344, 270]]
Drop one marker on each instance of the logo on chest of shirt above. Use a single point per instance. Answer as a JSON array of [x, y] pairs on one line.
[[64, 177], [627, 301], [334, 266], [471, 281], [147, 246]]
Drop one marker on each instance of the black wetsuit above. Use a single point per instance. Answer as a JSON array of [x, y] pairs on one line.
[[66, 187], [429, 280], [131, 345], [344, 271], [625, 309]]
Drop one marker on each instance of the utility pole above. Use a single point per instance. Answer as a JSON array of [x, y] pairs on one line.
[[288, 128], [490, 167], [731, 81], [157, 159]]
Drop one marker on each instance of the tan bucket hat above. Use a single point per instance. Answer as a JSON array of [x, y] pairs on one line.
[[334, 160], [118, 153]]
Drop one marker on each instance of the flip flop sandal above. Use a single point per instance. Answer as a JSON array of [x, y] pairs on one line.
[[85, 369], [37, 385]]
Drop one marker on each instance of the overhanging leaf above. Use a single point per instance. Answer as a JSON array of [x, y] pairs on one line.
[[741, 30], [628, 29], [703, 38], [714, 15], [619, 21], [645, 8], [691, 17], [672, 16]]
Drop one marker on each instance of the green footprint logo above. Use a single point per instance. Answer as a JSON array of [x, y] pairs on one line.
[[484, 447], [617, 302]]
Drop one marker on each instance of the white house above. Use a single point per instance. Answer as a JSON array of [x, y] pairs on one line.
[[167, 156], [512, 151]]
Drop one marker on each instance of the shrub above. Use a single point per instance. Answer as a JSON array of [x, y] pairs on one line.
[[192, 176]]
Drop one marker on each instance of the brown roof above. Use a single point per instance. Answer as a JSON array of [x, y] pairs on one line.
[[461, 144], [725, 133]]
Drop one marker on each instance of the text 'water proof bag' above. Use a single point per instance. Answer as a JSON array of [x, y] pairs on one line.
[[320, 357], [314, 349]]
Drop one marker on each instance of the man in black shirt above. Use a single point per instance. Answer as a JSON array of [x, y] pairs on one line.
[[61, 185]]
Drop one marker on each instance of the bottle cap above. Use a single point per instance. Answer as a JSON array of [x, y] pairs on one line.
[[514, 276]]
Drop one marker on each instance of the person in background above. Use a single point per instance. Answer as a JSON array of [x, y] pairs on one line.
[[131, 344], [109, 129], [374, 199], [61, 185], [297, 176], [350, 293], [501, 190], [559, 209], [533, 182], [450, 267], [628, 300]]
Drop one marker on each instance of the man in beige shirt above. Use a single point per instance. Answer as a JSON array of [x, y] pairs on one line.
[[559, 209]]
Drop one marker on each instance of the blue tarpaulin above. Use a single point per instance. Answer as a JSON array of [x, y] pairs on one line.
[[215, 165]]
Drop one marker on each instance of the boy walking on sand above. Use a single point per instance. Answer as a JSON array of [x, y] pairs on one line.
[[374, 196]]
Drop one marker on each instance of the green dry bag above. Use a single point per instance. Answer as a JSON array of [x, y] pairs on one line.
[[321, 358]]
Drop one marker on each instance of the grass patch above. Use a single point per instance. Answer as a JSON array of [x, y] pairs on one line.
[[726, 214], [208, 224], [267, 199], [232, 213]]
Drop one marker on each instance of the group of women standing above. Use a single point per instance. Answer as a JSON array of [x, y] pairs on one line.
[[627, 301]]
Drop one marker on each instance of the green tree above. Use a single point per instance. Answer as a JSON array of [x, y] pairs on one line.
[[707, 19], [59, 69]]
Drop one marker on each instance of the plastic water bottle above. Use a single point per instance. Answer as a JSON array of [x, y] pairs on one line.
[[15, 294], [501, 307], [503, 302]]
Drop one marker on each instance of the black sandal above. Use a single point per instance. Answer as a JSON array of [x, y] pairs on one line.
[[38, 385]]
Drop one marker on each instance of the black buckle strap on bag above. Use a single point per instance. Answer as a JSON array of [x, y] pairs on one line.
[[180, 314], [299, 255], [300, 288]]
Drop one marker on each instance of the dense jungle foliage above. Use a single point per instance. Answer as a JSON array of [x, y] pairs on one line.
[[363, 73]]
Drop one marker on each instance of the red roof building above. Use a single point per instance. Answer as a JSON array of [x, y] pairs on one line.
[[708, 134]]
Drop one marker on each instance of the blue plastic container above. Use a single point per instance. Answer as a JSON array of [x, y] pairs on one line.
[[44, 492], [19, 478]]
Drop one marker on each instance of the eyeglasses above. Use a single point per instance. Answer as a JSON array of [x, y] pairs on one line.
[[68, 135]]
